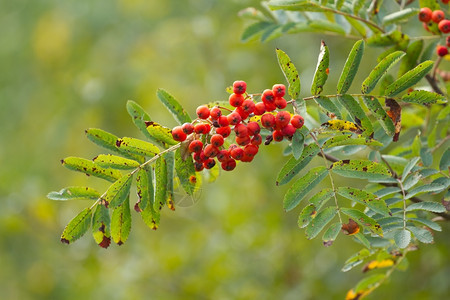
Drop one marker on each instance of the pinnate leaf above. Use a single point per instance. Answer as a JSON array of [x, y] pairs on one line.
[[291, 74], [121, 223], [74, 193], [173, 106], [160, 183], [303, 186], [378, 72], [320, 221], [365, 198], [115, 162], [357, 113], [119, 191], [423, 235], [186, 172], [331, 234], [422, 97], [160, 133], [364, 220], [409, 79], [90, 168], [428, 206], [351, 67], [77, 227], [321, 74], [363, 169], [101, 224], [402, 238]]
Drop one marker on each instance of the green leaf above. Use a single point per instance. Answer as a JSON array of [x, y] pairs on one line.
[[173, 106], [422, 97], [74, 193], [136, 146], [144, 188], [303, 186], [444, 163], [140, 118], [297, 144], [387, 191], [409, 79], [160, 183], [368, 283], [386, 39], [115, 162], [121, 223], [423, 235], [160, 133], [185, 170], [433, 225], [357, 113], [320, 221], [402, 238], [358, 26], [170, 162], [364, 220], [321, 73], [291, 74], [319, 199], [306, 216], [409, 167], [90, 168], [295, 5], [350, 67], [271, 32], [428, 206], [363, 169], [101, 224], [293, 166], [328, 106], [346, 139], [254, 30], [77, 227], [331, 234], [356, 259], [380, 70], [426, 156], [400, 16], [357, 5], [119, 191], [412, 55], [365, 198], [426, 188]]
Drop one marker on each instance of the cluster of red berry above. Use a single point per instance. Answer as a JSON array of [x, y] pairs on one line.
[[207, 134], [426, 15]]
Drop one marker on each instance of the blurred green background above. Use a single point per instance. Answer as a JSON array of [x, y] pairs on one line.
[[71, 65]]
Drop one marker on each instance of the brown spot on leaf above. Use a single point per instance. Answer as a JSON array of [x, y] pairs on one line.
[[119, 142], [137, 208], [350, 228], [65, 241], [328, 243], [395, 113], [105, 242]]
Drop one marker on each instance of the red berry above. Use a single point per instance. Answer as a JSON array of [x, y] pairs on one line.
[[277, 136], [232, 146], [203, 112], [223, 155], [279, 90], [234, 118], [200, 157], [250, 150], [178, 134], [237, 153], [256, 140], [241, 130], [268, 120], [248, 106], [215, 113], [229, 165], [240, 110], [425, 14], [260, 108], [442, 51], [201, 128], [217, 140], [187, 128], [223, 121], [209, 163], [268, 97], [297, 121], [280, 103], [437, 16], [445, 1], [242, 141], [196, 146], [444, 26], [210, 150], [270, 106], [282, 119], [239, 87], [253, 128], [198, 166], [224, 131], [288, 130], [236, 100], [247, 158]]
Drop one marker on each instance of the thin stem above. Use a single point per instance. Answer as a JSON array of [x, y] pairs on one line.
[[404, 202], [338, 95], [370, 23], [154, 158], [388, 165], [432, 82], [436, 65], [440, 143], [329, 174]]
